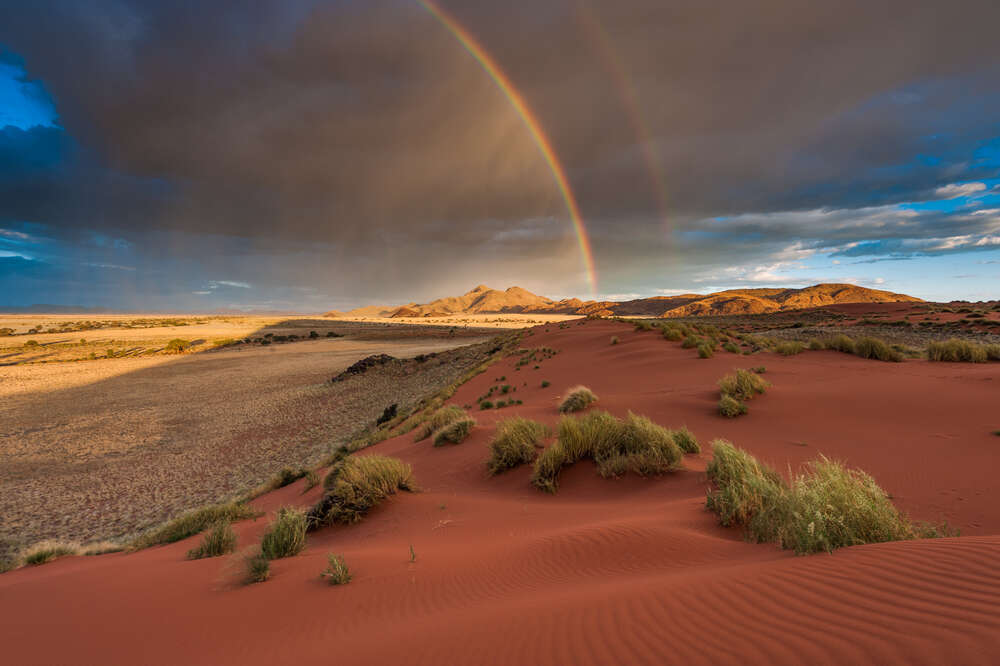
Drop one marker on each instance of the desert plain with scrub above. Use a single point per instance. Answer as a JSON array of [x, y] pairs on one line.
[[556, 493]]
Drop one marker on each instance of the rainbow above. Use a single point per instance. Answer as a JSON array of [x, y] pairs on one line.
[[488, 64]]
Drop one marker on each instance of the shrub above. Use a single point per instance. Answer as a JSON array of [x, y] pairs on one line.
[[578, 398], [258, 567], [225, 342], [486, 404], [614, 339], [31, 343], [673, 334], [816, 345], [731, 348], [731, 407], [958, 351], [743, 384], [336, 572], [790, 348], [546, 384], [46, 551], [705, 350], [634, 444], [193, 522], [356, 484], [286, 535], [690, 342], [686, 441], [877, 349], [219, 540], [643, 325], [455, 432], [827, 507], [440, 419], [840, 343], [177, 346], [514, 443]]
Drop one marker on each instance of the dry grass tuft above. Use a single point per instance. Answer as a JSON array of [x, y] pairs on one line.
[[193, 522], [258, 567], [286, 536], [219, 540], [455, 432], [743, 384], [731, 407], [685, 440], [336, 572], [577, 398], [357, 484], [827, 507], [618, 446], [514, 443], [438, 420], [962, 351]]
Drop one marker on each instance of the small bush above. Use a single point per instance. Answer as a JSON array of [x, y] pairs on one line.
[[258, 567], [686, 441], [840, 343], [219, 540], [958, 351], [486, 404], [194, 522], [731, 348], [790, 348], [336, 572], [816, 345], [673, 334], [356, 484], [690, 342], [31, 343], [634, 444], [743, 384], [577, 399], [546, 384], [705, 350], [514, 443], [731, 407], [440, 419], [827, 507], [614, 339], [177, 346], [876, 349], [46, 551], [455, 432], [286, 535]]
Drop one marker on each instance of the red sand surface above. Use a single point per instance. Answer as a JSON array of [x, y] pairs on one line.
[[606, 571]]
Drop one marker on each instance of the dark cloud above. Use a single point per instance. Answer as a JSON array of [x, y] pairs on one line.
[[357, 144]]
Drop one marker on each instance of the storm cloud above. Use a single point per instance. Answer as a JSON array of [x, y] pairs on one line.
[[355, 149]]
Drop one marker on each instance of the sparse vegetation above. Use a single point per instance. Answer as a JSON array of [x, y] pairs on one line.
[[193, 522], [336, 572], [876, 349], [286, 536], [356, 484], [219, 540], [514, 443], [790, 348], [177, 346], [546, 384], [827, 507], [731, 407], [634, 444], [455, 432], [46, 551], [705, 350], [962, 351], [258, 567], [685, 440], [743, 384], [577, 398], [441, 418]]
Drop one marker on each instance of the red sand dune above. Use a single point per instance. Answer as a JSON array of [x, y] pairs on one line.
[[607, 571]]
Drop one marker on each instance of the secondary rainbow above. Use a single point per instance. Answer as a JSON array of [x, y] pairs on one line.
[[531, 122]]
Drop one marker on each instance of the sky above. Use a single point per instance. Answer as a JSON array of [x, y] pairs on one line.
[[309, 155]]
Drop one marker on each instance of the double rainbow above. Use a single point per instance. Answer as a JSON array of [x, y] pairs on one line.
[[531, 122]]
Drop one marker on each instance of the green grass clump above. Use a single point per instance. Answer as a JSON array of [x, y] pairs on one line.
[[286, 535], [743, 384], [440, 419], [356, 484], [219, 540], [961, 351], [46, 551], [194, 522], [690, 342], [618, 446], [731, 407], [673, 334], [840, 343], [876, 349], [455, 432], [546, 383], [705, 350], [816, 345], [258, 567], [790, 348], [577, 398], [514, 443], [686, 440], [336, 572], [731, 348], [486, 404], [828, 506]]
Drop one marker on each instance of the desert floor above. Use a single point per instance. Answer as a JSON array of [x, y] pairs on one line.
[[629, 570], [98, 449]]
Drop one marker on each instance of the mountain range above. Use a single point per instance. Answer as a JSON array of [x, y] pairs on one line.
[[484, 300]]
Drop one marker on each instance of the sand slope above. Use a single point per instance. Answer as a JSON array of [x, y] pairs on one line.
[[607, 571]]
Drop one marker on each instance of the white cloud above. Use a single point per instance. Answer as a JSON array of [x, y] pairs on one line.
[[215, 284], [956, 190]]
